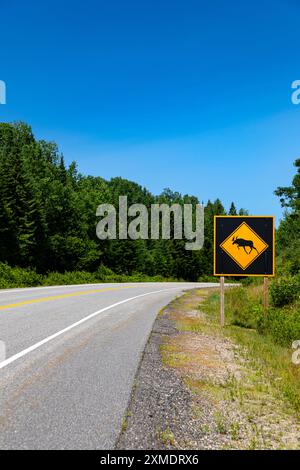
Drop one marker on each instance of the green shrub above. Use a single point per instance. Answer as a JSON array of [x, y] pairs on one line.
[[244, 307], [285, 291], [250, 281], [18, 277], [72, 277], [207, 278], [283, 325], [103, 272]]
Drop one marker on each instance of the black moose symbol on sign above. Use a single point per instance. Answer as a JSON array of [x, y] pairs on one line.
[[240, 242]]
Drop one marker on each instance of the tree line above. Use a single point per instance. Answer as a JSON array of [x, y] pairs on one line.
[[288, 234], [48, 216]]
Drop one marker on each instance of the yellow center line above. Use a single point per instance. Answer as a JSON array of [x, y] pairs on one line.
[[61, 296]]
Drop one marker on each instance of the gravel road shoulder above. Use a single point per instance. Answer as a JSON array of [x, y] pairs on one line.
[[160, 402]]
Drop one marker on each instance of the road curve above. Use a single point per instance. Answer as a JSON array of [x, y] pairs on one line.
[[71, 356]]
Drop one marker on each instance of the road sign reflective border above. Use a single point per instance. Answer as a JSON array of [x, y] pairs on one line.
[[244, 246]]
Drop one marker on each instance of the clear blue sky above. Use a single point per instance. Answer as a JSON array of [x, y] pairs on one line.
[[193, 95]]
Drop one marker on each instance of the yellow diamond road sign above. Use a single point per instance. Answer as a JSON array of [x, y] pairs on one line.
[[244, 245]]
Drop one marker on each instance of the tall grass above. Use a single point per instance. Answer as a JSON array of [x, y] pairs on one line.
[[266, 336]]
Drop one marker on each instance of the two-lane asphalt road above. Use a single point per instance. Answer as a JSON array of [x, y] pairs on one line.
[[71, 356]]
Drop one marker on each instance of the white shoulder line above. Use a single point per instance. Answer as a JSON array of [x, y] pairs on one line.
[[26, 351]]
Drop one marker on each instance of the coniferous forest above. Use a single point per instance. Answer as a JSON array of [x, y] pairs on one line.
[[48, 219]]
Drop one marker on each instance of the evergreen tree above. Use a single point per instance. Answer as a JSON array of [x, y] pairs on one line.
[[232, 210]]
